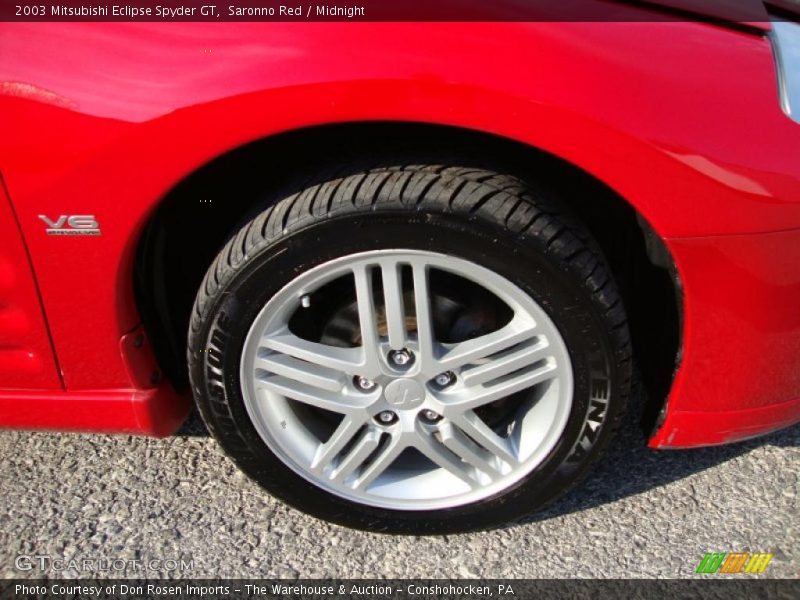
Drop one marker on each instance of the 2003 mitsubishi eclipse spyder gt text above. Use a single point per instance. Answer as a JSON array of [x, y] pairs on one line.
[[408, 272]]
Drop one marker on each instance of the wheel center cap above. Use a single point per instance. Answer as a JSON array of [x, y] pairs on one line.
[[404, 394]]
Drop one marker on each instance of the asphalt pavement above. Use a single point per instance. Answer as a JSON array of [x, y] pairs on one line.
[[178, 507]]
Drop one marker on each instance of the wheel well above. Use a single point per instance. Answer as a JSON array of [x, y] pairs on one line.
[[197, 217]]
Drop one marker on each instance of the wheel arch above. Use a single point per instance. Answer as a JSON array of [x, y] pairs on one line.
[[211, 202]]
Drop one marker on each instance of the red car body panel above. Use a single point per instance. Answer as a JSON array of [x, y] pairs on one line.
[[26, 355], [681, 119], [740, 371]]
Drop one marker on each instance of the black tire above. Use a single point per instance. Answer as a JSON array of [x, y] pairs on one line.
[[493, 219]]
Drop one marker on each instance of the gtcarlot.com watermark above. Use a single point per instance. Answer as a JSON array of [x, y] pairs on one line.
[[54, 564]]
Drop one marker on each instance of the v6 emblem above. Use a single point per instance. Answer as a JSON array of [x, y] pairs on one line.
[[72, 225]]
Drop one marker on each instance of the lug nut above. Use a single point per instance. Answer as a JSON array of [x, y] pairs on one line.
[[386, 416], [430, 415], [401, 358], [364, 384], [445, 379]]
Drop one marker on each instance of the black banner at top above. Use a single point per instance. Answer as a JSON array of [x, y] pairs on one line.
[[746, 13]]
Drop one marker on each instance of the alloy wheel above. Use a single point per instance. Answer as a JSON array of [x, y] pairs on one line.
[[395, 412]]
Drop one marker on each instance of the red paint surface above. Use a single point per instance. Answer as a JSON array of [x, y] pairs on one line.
[[740, 373], [26, 355], [156, 412], [681, 119], [688, 429]]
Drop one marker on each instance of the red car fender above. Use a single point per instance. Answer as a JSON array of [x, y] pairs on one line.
[[663, 113]]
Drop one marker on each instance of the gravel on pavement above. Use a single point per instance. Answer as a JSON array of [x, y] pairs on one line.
[[640, 513]]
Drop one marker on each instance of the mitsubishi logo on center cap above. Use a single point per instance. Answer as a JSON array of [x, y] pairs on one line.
[[404, 393]]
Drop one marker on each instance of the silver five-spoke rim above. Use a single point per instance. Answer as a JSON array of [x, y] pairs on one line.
[[398, 420]]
